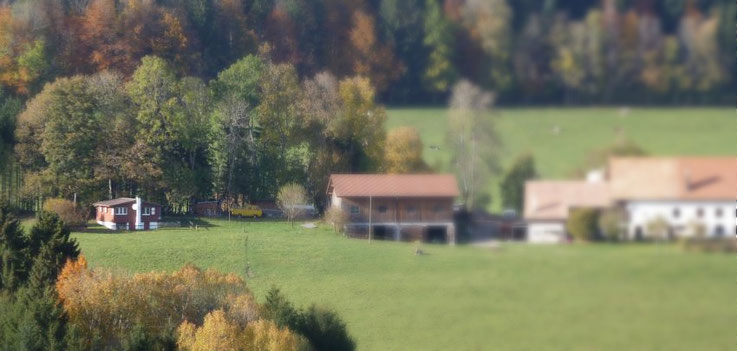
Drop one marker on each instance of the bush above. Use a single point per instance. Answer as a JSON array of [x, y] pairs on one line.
[[513, 185], [713, 245], [323, 328], [582, 224], [67, 211], [658, 228], [610, 224], [337, 218]]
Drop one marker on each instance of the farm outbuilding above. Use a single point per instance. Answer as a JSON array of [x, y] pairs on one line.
[[405, 207]]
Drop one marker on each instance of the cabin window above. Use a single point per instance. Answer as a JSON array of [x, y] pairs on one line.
[[437, 208], [121, 211], [354, 210], [699, 212], [411, 209], [676, 212], [153, 210], [382, 209], [146, 211]]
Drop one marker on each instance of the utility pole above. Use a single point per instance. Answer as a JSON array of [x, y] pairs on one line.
[[371, 210]]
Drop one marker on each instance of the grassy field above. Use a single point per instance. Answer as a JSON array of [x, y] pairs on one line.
[[519, 297], [660, 131]]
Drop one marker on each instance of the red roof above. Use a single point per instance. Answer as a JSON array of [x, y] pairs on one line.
[[673, 178], [552, 199], [393, 185]]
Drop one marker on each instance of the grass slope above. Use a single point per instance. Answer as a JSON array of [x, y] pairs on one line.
[[660, 131], [578, 297]]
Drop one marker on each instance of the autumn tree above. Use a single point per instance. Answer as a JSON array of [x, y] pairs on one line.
[[359, 128], [290, 199], [472, 139], [488, 22], [440, 72], [372, 58], [404, 151]]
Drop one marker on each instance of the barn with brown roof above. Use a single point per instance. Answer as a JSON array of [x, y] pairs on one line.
[[404, 207]]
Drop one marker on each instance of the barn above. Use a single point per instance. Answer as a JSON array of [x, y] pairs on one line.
[[405, 207], [127, 213]]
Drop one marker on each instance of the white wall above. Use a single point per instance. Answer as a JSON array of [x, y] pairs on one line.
[[546, 232], [643, 212], [335, 201]]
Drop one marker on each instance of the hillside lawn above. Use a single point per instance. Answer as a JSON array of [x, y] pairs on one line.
[[660, 131], [518, 297]]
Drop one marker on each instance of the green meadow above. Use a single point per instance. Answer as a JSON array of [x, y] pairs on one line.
[[515, 297], [659, 131]]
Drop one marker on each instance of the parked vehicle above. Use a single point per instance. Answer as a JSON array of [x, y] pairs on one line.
[[250, 211]]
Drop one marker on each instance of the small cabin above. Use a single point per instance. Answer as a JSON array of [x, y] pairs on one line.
[[207, 208], [127, 213], [406, 207]]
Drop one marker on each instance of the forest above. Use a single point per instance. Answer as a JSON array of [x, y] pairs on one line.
[[183, 100]]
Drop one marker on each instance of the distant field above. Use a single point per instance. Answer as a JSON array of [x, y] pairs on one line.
[[660, 131], [520, 297]]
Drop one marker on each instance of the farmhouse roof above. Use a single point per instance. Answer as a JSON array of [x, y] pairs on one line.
[[393, 185], [551, 199], [120, 201], [673, 178]]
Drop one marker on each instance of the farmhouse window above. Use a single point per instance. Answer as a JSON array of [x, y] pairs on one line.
[[676, 212], [354, 210], [153, 210], [718, 213], [146, 211], [382, 209], [121, 211], [411, 209], [700, 212], [438, 208]]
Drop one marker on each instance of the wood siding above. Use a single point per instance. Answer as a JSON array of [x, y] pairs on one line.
[[399, 210]]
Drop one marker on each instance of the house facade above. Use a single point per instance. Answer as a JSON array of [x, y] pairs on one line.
[[548, 203], [127, 213], [405, 207], [684, 196], [695, 196]]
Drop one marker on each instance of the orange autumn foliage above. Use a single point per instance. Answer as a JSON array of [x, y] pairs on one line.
[[219, 333], [372, 59], [108, 306]]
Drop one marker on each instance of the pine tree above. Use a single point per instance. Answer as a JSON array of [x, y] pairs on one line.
[[13, 253]]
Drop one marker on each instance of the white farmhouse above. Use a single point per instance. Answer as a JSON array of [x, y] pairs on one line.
[[693, 195], [682, 196]]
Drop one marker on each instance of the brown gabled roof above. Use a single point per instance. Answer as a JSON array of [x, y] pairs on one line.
[[393, 185], [552, 199], [673, 178]]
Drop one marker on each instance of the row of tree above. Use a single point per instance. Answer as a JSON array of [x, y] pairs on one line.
[[412, 50], [252, 129]]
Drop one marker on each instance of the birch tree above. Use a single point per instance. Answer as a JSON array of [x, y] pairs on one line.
[[472, 139]]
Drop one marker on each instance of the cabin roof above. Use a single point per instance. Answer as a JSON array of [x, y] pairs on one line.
[[393, 185]]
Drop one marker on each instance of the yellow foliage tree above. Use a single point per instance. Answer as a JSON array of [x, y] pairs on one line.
[[219, 333], [403, 153]]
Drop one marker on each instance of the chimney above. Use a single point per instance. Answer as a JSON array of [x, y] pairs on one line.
[[139, 224]]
